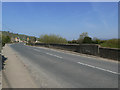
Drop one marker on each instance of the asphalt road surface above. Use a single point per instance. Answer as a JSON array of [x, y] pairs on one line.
[[54, 68]]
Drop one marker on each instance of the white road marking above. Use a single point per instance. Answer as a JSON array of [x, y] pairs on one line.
[[37, 50], [49, 54], [98, 68], [79, 54], [66, 52], [54, 55], [84, 63]]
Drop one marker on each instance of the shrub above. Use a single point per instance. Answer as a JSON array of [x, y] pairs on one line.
[[5, 39], [87, 40], [73, 42], [82, 36], [112, 43], [52, 39]]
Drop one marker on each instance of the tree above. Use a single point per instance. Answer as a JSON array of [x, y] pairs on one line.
[[32, 39], [96, 40], [82, 36], [73, 42], [52, 39], [87, 40], [5, 39], [112, 43]]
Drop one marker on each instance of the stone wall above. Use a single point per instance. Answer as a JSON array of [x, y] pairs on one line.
[[109, 53], [91, 49]]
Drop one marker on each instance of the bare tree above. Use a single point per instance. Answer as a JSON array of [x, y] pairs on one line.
[[82, 36]]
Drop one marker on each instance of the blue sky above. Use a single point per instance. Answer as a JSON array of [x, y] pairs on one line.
[[67, 19]]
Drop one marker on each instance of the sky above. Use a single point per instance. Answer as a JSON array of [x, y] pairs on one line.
[[60, 0], [67, 19]]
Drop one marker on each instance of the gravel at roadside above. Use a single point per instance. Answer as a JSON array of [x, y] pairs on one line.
[[15, 74]]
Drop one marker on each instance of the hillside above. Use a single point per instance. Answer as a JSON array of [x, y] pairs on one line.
[[16, 35]]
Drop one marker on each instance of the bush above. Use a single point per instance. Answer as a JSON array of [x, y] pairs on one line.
[[87, 40], [52, 39], [98, 41], [112, 43], [5, 39], [82, 36], [73, 42]]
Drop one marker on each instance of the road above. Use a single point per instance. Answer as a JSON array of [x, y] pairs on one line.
[[55, 68]]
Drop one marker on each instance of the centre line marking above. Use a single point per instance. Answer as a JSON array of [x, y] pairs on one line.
[[98, 68], [50, 54], [37, 50], [54, 55]]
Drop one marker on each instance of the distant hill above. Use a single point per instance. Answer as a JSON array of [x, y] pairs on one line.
[[16, 35]]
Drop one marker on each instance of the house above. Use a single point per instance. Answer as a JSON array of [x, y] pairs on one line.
[[17, 39]]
